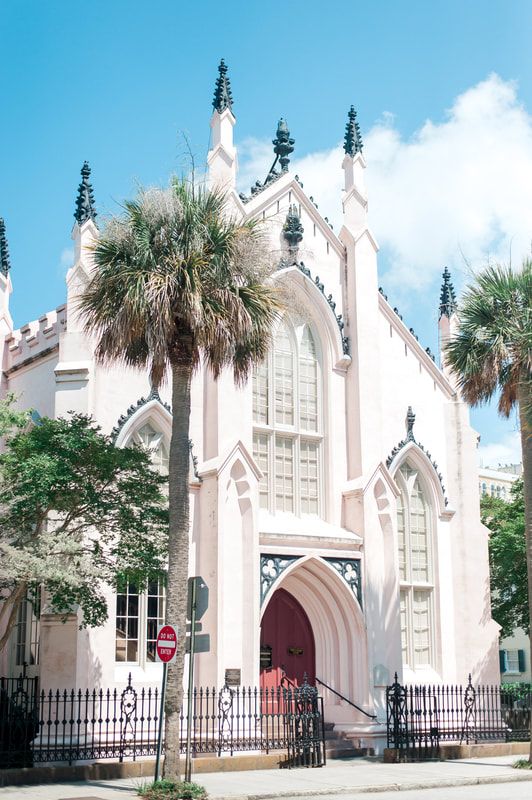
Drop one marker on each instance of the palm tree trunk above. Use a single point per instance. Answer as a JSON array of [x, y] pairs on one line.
[[178, 546], [526, 445]]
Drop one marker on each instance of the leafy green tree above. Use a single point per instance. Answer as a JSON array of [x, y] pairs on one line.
[[10, 419], [491, 354], [76, 514], [178, 281], [507, 547]]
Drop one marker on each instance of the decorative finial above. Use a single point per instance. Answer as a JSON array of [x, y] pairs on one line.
[[85, 207], [5, 264], [352, 138], [223, 97], [410, 419], [447, 296], [283, 145], [293, 232]]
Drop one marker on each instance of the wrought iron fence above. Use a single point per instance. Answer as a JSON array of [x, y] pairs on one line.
[[420, 718], [85, 725]]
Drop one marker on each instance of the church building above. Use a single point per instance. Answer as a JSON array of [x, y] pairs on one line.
[[334, 498]]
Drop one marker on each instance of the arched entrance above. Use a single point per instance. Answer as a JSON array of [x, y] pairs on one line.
[[286, 642]]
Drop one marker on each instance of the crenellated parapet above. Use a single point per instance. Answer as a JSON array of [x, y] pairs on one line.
[[34, 340]]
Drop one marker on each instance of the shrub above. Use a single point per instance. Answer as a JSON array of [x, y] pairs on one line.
[[171, 790]]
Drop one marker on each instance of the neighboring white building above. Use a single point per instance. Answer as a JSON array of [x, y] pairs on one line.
[[335, 511], [497, 481], [514, 652]]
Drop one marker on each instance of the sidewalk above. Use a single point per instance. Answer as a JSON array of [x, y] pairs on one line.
[[337, 778]]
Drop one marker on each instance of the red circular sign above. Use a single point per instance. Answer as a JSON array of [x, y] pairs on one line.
[[167, 643]]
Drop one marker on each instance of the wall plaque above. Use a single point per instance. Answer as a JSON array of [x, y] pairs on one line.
[[232, 677], [265, 656]]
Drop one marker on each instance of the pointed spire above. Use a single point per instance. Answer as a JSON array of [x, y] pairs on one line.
[[85, 207], [223, 97], [352, 138], [293, 231], [410, 419], [5, 264], [447, 296], [283, 145]]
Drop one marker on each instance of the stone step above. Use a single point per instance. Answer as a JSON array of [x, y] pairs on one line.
[[345, 751], [338, 746]]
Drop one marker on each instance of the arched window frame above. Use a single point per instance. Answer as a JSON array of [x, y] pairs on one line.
[[268, 429], [409, 585], [141, 613]]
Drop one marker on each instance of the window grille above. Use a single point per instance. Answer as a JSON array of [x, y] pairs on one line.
[[415, 570], [138, 617], [288, 430]]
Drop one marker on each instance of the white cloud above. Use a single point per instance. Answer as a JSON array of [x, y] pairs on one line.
[[66, 259], [455, 193], [506, 451]]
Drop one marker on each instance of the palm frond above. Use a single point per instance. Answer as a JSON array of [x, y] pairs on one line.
[[178, 276], [492, 349]]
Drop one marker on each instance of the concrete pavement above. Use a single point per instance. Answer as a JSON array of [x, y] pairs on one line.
[[350, 778]]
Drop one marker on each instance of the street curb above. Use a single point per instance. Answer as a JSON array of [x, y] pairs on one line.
[[513, 777]]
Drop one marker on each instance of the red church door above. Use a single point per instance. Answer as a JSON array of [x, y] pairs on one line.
[[286, 642]]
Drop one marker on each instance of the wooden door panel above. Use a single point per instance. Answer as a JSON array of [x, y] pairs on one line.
[[286, 630]]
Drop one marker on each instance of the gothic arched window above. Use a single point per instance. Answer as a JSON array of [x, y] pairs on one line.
[[139, 614], [153, 441], [416, 569], [288, 431]]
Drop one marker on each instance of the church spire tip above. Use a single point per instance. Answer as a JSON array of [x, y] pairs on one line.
[[352, 137], [447, 296], [5, 264], [283, 145], [223, 97], [85, 206]]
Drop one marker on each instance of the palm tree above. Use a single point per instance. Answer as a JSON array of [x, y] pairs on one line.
[[177, 282], [492, 352]]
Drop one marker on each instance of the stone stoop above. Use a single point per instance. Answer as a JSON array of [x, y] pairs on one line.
[[339, 745]]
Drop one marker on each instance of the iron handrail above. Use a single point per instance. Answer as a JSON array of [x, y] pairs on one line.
[[286, 680], [341, 696]]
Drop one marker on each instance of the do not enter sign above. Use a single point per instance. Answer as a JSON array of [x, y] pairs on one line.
[[167, 643]]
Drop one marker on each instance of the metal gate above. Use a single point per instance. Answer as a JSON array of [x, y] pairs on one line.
[[304, 727], [413, 721], [19, 720]]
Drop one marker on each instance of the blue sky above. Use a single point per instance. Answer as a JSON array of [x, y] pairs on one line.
[[118, 83]]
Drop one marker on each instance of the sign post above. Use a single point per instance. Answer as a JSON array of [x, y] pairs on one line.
[[166, 648], [198, 601]]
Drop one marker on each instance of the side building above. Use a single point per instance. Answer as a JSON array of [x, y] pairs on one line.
[[514, 651], [334, 498]]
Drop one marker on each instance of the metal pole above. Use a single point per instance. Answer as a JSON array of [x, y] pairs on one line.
[[188, 762], [161, 713]]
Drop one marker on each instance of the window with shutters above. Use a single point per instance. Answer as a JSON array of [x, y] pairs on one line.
[[512, 661], [288, 430], [416, 569]]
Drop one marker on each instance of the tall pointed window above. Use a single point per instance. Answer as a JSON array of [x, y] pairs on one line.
[[416, 570], [288, 430], [140, 613]]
